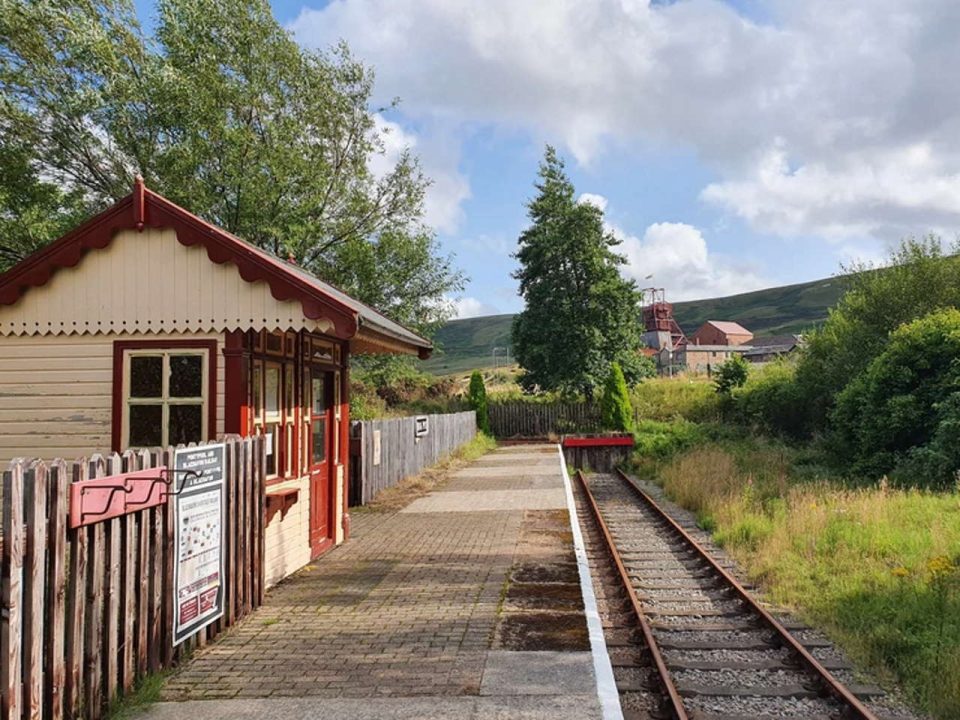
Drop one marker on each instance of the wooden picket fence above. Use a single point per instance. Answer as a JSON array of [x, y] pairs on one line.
[[401, 454], [88, 611], [539, 420]]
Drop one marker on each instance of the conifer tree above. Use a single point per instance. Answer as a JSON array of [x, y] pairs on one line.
[[615, 402], [580, 313], [477, 399]]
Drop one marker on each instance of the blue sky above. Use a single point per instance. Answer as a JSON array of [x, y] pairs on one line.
[[733, 145]]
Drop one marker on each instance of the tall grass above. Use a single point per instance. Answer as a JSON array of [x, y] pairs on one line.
[[690, 398], [877, 568]]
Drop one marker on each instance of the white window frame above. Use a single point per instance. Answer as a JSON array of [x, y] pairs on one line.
[[165, 401]]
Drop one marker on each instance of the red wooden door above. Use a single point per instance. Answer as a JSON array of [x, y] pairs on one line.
[[321, 422]]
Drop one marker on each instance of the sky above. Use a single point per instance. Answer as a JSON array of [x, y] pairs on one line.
[[733, 144]]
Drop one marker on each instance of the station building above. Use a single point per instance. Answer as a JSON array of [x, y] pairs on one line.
[[147, 326]]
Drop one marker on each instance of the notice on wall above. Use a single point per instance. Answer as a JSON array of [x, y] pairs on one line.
[[198, 569]]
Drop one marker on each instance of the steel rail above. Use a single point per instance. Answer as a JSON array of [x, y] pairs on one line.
[[675, 703], [832, 685]]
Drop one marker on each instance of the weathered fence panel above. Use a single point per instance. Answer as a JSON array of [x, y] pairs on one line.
[[538, 420], [388, 450], [87, 611]]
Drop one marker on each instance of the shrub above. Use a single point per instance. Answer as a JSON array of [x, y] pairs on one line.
[[615, 402], [477, 400], [731, 374], [918, 281], [903, 411], [770, 400]]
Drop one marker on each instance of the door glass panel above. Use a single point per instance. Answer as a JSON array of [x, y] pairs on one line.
[[273, 389], [319, 404], [146, 376], [186, 376], [319, 440], [186, 424], [273, 448], [146, 425]]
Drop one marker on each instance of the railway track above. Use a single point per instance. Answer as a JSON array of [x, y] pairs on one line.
[[686, 639]]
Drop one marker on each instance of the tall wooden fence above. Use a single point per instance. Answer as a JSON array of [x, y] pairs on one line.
[[387, 451], [88, 611], [537, 420]]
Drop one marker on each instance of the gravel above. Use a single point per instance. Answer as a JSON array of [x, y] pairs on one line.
[[762, 707], [740, 678]]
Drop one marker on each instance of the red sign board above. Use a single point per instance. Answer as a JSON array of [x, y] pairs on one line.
[[99, 499]]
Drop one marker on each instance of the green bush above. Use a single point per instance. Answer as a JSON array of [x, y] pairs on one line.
[[731, 374], [679, 397], [477, 400], [770, 400], [615, 402], [918, 280], [901, 414]]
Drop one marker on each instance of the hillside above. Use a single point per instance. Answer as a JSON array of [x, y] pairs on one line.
[[467, 344]]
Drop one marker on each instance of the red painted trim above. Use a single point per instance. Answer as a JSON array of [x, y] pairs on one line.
[[620, 441], [345, 436], [139, 204], [145, 208], [235, 380], [120, 346]]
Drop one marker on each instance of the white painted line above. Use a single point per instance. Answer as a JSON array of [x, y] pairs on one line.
[[606, 685]]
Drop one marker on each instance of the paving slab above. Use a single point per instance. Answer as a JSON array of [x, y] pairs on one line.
[[506, 471], [538, 673], [486, 501], [408, 618]]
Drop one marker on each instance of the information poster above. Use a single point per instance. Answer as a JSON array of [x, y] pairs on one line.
[[198, 570]]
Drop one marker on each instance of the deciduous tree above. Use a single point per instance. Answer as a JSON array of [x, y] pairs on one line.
[[223, 112]]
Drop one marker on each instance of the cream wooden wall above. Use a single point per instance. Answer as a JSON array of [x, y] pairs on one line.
[[149, 283], [56, 393]]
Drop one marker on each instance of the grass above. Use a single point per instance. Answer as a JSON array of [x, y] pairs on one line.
[[144, 694], [878, 569], [409, 489], [667, 399]]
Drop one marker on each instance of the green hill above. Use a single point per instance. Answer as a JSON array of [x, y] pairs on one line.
[[467, 344]]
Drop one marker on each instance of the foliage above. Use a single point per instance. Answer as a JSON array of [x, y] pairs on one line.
[[223, 112], [477, 400], [878, 568], [918, 280], [731, 374], [660, 440], [580, 314], [615, 402], [907, 398], [678, 397], [769, 400]]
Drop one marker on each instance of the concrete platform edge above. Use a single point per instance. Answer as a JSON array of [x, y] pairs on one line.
[[607, 691]]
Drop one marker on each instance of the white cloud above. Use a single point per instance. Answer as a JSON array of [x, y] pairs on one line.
[[677, 256], [678, 259], [468, 307], [440, 158], [598, 201], [839, 117]]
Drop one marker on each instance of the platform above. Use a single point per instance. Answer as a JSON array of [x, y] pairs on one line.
[[467, 603]]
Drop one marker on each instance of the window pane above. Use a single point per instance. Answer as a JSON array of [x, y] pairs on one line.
[[319, 440], [186, 424], [319, 405], [272, 449], [186, 375], [273, 389], [146, 425], [146, 376]]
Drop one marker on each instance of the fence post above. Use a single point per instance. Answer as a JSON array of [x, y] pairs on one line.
[[57, 587], [11, 624]]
